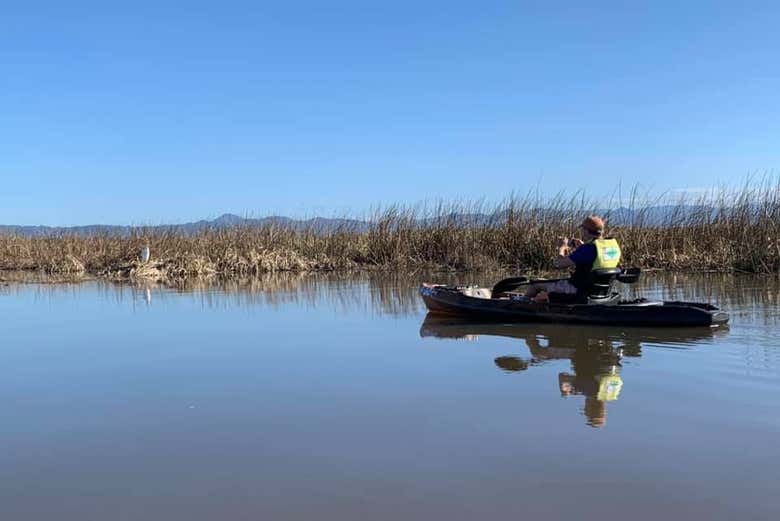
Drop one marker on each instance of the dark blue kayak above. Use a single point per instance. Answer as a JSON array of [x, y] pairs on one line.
[[477, 303]]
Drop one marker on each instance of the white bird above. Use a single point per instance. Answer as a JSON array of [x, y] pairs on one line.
[[145, 254]]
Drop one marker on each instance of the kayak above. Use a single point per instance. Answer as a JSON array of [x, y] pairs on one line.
[[512, 307]]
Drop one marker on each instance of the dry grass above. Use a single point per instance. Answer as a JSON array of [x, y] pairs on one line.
[[734, 233]]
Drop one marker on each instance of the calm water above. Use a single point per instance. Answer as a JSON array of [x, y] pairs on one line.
[[313, 398]]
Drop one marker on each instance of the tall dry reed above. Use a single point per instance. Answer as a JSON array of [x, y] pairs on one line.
[[717, 232]]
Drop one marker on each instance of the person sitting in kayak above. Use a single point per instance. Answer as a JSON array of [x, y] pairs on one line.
[[591, 252]]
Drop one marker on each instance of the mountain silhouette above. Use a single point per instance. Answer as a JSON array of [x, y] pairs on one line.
[[651, 216]]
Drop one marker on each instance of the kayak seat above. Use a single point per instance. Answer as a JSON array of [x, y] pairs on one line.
[[613, 298], [600, 286], [598, 291]]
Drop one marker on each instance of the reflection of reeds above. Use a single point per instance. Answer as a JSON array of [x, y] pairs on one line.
[[385, 293], [718, 233]]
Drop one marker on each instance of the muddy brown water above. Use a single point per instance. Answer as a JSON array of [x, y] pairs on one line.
[[303, 397]]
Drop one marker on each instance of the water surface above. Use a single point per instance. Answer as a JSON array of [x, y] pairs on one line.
[[297, 397]]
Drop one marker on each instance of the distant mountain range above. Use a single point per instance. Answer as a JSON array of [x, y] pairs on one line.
[[652, 216], [224, 221]]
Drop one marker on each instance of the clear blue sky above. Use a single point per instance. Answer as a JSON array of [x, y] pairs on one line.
[[149, 114]]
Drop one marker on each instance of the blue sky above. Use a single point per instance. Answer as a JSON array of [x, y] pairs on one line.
[[147, 113]]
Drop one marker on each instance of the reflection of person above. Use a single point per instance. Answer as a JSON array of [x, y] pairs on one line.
[[595, 365], [592, 252], [596, 377]]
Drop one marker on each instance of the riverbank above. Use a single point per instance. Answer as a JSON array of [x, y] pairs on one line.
[[743, 236]]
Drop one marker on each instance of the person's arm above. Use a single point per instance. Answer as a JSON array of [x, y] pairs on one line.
[[563, 260], [584, 254]]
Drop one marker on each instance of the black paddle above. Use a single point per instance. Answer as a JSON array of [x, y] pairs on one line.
[[628, 276], [505, 285], [512, 363]]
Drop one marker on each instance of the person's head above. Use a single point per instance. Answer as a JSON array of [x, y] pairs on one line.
[[592, 227], [595, 412]]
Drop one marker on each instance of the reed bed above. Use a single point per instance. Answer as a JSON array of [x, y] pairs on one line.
[[721, 232]]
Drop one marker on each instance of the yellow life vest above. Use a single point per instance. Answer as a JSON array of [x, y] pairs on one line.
[[609, 387], [607, 254]]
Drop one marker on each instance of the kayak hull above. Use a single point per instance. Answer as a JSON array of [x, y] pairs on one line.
[[448, 300]]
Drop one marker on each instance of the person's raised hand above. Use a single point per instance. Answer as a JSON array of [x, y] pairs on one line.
[[562, 241], [575, 243]]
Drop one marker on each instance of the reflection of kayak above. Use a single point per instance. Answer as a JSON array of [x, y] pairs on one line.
[[477, 303], [565, 337]]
